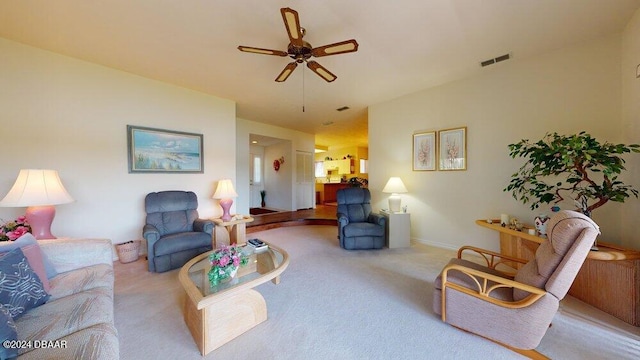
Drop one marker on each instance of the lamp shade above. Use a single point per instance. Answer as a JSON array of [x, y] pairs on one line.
[[394, 186], [39, 191], [35, 187], [225, 190]]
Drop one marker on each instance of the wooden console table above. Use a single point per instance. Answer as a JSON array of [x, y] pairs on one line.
[[608, 280]]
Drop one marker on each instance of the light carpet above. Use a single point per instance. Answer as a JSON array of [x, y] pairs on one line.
[[337, 304]]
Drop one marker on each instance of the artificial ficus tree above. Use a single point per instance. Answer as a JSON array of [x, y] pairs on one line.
[[574, 165]]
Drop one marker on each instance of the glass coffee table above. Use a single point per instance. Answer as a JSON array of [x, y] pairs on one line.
[[217, 314]]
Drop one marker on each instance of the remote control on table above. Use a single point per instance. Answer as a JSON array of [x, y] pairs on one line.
[[256, 242]]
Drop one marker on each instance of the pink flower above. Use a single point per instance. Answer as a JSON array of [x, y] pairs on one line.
[[236, 261], [15, 234], [224, 260], [21, 220]]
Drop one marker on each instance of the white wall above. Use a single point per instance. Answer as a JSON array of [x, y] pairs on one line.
[[631, 123], [279, 184], [65, 114], [569, 90], [298, 141]]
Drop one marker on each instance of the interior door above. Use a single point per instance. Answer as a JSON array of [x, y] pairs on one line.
[[304, 180], [255, 180]]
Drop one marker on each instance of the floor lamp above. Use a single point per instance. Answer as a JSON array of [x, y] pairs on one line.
[[39, 190]]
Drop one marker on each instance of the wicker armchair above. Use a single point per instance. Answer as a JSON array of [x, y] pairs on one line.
[[515, 310]]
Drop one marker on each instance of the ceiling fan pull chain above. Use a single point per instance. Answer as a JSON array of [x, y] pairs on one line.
[[303, 71]]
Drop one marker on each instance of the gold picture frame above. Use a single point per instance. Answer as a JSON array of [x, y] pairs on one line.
[[452, 149], [424, 151]]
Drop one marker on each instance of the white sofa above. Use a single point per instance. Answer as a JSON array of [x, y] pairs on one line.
[[78, 317]]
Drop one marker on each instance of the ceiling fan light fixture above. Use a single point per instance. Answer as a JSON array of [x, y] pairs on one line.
[[301, 51]]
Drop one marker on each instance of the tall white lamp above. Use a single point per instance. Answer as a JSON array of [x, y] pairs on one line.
[[394, 186], [39, 190], [225, 193]]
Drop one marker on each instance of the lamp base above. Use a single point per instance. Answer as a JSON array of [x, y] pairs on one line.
[[226, 205], [394, 203], [40, 219]]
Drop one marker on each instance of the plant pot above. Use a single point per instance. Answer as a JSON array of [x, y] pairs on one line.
[[224, 278]]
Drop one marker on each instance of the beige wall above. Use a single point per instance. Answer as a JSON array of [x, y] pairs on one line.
[[71, 116], [631, 123], [569, 90]]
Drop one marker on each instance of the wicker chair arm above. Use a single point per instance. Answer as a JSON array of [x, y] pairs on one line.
[[484, 288]]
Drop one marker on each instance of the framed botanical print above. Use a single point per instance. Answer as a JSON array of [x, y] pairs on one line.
[[424, 151], [452, 149]]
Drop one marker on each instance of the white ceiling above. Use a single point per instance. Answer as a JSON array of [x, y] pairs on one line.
[[405, 46]]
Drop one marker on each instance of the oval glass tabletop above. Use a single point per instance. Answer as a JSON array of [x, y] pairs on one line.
[[260, 263]]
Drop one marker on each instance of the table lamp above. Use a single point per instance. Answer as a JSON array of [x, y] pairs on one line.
[[225, 193], [39, 190], [394, 186]]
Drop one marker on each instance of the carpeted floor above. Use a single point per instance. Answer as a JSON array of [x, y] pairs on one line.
[[338, 304]]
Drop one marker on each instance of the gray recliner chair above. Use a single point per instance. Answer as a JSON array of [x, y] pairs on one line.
[[173, 232], [358, 227]]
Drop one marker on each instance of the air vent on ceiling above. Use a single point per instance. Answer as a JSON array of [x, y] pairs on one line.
[[495, 60], [342, 108]]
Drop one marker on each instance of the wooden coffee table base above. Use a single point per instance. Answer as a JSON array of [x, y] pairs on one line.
[[222, 321]]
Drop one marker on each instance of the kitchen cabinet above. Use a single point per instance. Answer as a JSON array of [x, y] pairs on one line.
[[345, 166], [330, 190]]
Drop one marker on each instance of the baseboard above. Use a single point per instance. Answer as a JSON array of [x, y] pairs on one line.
[[436, 244]]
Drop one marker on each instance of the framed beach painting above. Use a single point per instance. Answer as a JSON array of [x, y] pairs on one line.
[[452, 149], [424, 151], [163, 151]]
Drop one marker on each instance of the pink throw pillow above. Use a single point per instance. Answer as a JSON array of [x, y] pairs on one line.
[[34, 257]]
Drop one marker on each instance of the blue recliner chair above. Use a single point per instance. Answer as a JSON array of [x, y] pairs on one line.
[[358, 227], [173, 231]]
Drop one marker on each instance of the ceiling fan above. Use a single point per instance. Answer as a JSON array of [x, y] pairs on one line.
[[301, 51]]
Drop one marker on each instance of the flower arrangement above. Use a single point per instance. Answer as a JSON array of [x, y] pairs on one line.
[[12, 230], [225, 262]]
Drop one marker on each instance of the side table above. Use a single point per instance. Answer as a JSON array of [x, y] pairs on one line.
[[232, 231], [398, 229]]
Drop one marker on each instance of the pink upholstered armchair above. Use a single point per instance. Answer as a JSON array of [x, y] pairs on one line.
[[515, 311]]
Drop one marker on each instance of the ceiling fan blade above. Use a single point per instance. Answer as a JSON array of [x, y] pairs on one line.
[[256, 50], [292, 23], [286, 71], [321, 71], [337, 48]]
